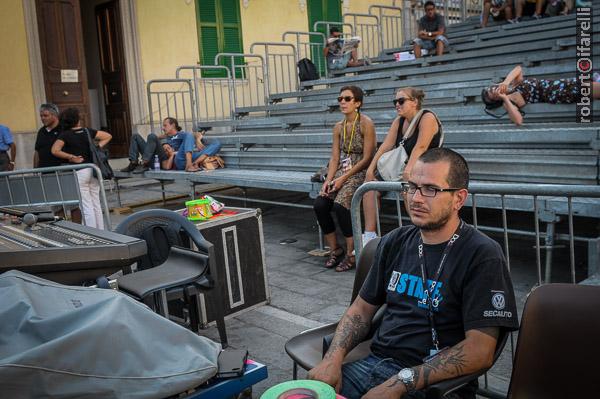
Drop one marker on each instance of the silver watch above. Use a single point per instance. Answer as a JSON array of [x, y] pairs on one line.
[[407, 377], [429, 34]]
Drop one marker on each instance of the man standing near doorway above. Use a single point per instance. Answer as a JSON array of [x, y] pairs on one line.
[[42, 156], [46, 136], [6, 143]]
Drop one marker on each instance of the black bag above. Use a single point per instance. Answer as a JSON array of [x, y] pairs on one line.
[[307, 70], [100, 159]]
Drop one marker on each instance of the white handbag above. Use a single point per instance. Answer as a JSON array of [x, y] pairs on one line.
[[391, 164]]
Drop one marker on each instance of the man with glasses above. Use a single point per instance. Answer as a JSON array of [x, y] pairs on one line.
[[336, 57], [448, 294], [431, 32]]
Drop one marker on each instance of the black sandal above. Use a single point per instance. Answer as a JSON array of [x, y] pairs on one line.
[[334, 259], [348, 263]]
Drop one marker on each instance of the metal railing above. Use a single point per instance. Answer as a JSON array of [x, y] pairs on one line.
[[546, 206], [367, 27], [309, 45], [44, 187], [326, 25], [250, 85], [213, 96], [390, 25], [281, 65], [173, 98]]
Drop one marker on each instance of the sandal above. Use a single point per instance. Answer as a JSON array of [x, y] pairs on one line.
[[348, 263], [334, 259]]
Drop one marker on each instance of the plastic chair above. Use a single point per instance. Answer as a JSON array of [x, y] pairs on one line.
[[170, 270], [306, 349], [557, 354]]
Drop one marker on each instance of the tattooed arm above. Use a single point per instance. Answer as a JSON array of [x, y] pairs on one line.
[[351, 331], [472, 354]]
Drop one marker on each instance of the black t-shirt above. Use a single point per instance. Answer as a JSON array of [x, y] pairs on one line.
[[410, 142], [43, 145], [77, 142], [474, 291]]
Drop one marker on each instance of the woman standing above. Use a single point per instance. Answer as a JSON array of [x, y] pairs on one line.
[[73, 146], [515, 92], [427, 134], [353, 146]]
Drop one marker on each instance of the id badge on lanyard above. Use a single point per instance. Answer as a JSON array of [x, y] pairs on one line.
[[346, 164]]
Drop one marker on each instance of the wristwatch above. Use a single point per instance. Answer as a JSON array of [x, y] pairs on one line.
[[429, 34], [407, 377]]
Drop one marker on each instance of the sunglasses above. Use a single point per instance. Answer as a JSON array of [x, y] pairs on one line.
[[345, 98], [400, 100]]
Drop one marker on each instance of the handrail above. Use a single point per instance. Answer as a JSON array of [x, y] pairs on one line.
[[73, 168], [264, 79], [149, 94], [294, 82], [336, 23]]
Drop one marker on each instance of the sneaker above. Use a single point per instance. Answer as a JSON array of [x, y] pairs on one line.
[[129, 168], [367, 61], [515, 20], [141, 169], [537, 16]]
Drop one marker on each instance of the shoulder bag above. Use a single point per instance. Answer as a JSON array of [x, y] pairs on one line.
[[100, 158]]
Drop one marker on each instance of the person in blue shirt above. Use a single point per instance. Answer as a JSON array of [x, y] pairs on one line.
[[7, 143]]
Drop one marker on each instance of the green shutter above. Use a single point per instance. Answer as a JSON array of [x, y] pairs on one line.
[[219, 31], [333, 11]]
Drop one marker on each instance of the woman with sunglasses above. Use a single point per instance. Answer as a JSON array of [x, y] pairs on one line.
[[352, 149], [515, 92], [426, 135]]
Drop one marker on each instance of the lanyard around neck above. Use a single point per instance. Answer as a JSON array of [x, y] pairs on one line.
[[427, 291], [351, 134]]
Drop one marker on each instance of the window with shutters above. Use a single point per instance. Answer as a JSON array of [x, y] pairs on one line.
[[219, 31]]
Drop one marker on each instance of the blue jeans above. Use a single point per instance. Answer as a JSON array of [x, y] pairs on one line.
[[360, 376], [211, 147]]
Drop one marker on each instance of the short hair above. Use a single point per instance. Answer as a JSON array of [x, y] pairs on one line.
[[356, 92], [429, 3], [69, 118], [173, 121], [415, 94], [458, 173], [52, 108], [333, 29]]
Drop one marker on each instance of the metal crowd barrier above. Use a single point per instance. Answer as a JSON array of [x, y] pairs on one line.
[[174, 98], [45, 187], [325, 25], [250, 83], [281, 65], [367, 27], [213, 93], [546, 205], [310, 45], [390, 25]]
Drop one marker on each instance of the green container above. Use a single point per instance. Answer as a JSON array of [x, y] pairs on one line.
[[198, 209]]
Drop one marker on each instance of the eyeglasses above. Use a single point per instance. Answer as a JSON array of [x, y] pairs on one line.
[[401, 100], [426, 190], [345, 98]]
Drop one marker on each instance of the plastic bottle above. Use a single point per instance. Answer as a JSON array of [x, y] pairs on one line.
[[156, 163]]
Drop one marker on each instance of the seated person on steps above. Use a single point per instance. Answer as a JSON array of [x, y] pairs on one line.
[[431, 32], [336, 58], [195, 149], [448, 293], [499, 9]]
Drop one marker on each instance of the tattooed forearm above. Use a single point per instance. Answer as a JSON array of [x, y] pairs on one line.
[[350, 332], [449, 363]]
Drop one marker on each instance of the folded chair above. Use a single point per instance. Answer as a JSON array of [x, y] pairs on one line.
[[557, 353], [172, 269]]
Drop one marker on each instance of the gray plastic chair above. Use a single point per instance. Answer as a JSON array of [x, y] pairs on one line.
[[170, 270]]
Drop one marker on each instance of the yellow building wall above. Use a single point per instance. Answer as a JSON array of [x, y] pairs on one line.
[[266, 20], [167, 36], [17, 110], [362, 6]]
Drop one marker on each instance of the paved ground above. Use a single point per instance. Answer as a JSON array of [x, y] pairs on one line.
[[303, 293]]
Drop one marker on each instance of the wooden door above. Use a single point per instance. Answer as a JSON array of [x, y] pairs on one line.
[[63, 60], [112, 64]]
